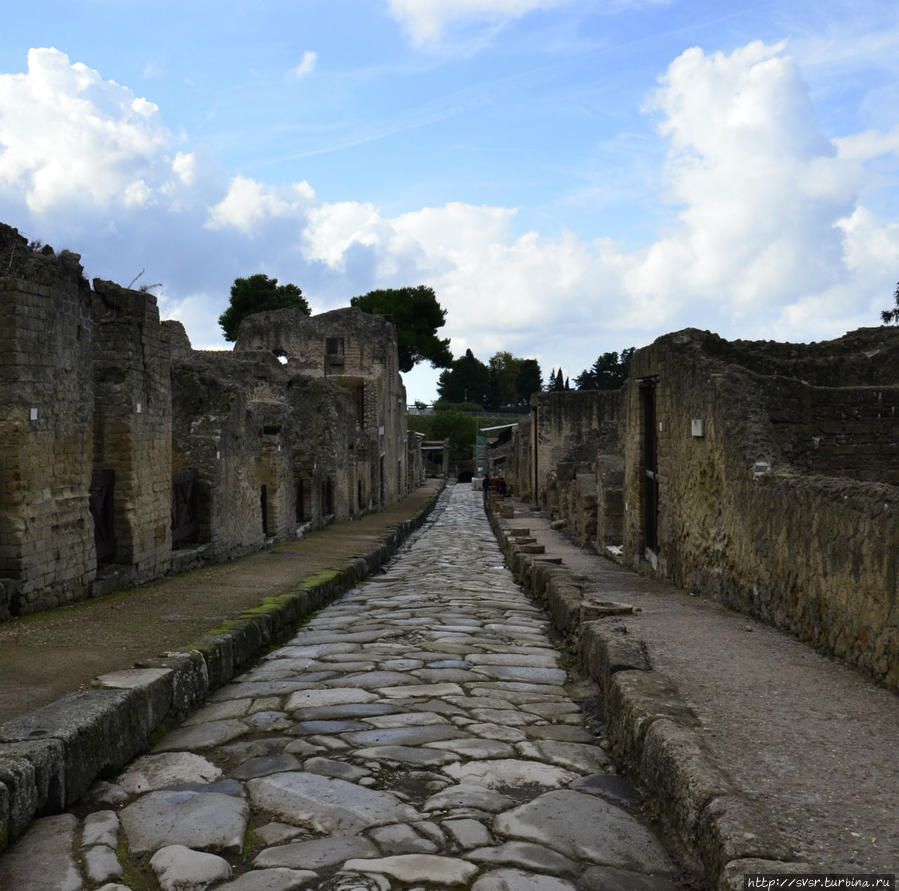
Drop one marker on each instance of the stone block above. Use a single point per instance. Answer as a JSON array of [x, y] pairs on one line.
[[605, 652], [682, 779], [634, 701], [189, 679], [17, 777], [151, 686], [47, 757], [99, 730], [732, 828]]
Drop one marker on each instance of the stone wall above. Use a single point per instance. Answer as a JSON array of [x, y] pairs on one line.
[[47, 553], [566, 467], [745, 514], [358, 352], [126, 454], [133, 427]]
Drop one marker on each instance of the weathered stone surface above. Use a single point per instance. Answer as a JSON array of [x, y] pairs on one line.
[[178, 867], [202, 736], [418, 868], [400, 839], [474, 748], [465, 795], [510, 773], [302, 699], [100, 828], [262, 766], [101, 863], [151, 772], [526, 855], [43, 857], [208, 822], [581, 757], [607, 878], [329, 805], [403, 736], [327, 767], [271, 880], [518, 880], [468, 833], [316, 853], [412, 755], [586, 827]]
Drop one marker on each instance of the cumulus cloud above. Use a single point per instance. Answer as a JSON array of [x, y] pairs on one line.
[[249, 203], [305, 67], [69, 137]]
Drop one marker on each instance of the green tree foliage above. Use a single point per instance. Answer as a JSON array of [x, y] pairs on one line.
[[258, 293], [466, 380], [556, 382], [506, 380], [608, 372], [458, 428], [891, 316], [417, 316], [529, 380]]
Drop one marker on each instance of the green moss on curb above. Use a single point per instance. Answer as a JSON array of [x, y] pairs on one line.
[[320, 578]]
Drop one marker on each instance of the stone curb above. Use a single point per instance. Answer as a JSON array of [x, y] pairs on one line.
[[717, 831], [50, 757]]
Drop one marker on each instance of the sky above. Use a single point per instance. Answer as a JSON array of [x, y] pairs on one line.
[[571, 176]]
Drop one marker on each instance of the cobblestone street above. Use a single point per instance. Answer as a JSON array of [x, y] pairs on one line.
[[418, 733]]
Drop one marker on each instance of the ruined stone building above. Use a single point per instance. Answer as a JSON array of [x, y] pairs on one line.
[[125, 454], [763, 475], [358, 353]]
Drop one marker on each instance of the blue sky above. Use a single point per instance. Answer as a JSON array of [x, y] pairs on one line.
[[570, 177]]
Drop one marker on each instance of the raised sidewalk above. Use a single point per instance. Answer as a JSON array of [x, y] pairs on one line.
[[88, 687], [757, 753]]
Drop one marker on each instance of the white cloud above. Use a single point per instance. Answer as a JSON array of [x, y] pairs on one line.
[[249, 203], [769, 232], [426, 20], [868, 145], [770, 238], [68, 136], [306, 66]]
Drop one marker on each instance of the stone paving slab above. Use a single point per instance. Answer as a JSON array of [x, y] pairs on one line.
[[427, 797]]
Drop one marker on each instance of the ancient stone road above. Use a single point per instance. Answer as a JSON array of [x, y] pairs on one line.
[[417, 733]]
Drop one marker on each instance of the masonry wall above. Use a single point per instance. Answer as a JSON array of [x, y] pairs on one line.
[[745, 514], [126, 454], [358, 352], [47, 554], [133, 425], [573, 433]]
